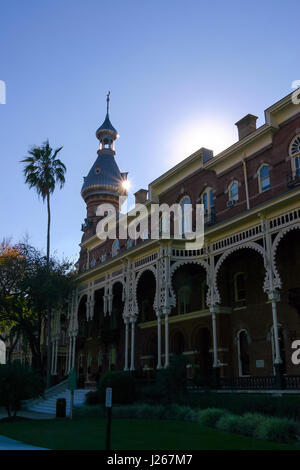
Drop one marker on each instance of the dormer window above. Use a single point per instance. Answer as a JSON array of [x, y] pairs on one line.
[[186, 209], [115, 248], [97, 170], [207, 199], [263, 178], [295, 155], [233, 191]]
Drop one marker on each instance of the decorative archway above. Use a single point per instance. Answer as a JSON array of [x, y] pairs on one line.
[[280, 235], [179, 264], [252, 246], [146, 296]]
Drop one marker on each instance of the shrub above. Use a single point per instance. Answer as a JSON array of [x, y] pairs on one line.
[[170, 384], [88, 411], [142, 411], [179, 412], [92, 398], [249, 423], [122, 384], [18, 382], [277, 429], [240, 403], [210, 416], [229, 423]]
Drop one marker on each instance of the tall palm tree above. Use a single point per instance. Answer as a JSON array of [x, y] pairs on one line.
[[42, 171]]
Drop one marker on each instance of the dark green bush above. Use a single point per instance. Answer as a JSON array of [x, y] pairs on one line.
[[17, 383], [277, 430], [286, 406], [170, 384], [89, 411], [92, 398], [229, 423], [210, 416], [249, 423], [122, 384]]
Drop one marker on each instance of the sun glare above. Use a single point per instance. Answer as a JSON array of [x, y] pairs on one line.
[[126, 185], [209, 133]]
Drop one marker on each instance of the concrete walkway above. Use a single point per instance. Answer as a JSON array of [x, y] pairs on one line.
[[10, 444]]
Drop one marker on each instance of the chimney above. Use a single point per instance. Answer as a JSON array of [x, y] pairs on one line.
[[246, 125], [141, 196]]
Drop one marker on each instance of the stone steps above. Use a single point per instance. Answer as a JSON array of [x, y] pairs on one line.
[[49, 404]]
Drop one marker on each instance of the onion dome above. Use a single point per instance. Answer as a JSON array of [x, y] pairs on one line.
[[105, 176]]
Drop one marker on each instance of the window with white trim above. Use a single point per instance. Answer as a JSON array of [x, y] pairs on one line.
[[264, 178], [233, 191], [186, 209], [207, 199], [115, 248], [295, 155]]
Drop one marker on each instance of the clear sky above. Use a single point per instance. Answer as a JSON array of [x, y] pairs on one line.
[[181, 73]]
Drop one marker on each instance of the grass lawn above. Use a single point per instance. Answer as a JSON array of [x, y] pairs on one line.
[[89, 434]]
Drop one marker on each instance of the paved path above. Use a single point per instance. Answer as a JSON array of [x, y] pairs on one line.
[[10, 444]]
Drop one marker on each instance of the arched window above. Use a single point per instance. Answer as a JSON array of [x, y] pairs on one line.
[[281, 347], [186, 209], [243, 354], [207, 199], [239, 287], [295, 155], [130, 243], [233, 191], [115, 248], [263, 178]]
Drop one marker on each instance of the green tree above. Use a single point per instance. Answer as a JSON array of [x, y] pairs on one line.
[[31, 286], [18, 382], [42, 171]]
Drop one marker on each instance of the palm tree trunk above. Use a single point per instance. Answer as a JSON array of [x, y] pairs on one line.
[[48, 380], [48, 227]]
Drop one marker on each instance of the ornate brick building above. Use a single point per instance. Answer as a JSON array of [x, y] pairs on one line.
[[233, 306]]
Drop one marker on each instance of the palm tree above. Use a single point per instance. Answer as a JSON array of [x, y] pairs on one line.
[[42, 171]]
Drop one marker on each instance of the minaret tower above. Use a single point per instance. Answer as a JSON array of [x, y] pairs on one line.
[[105, 182]]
